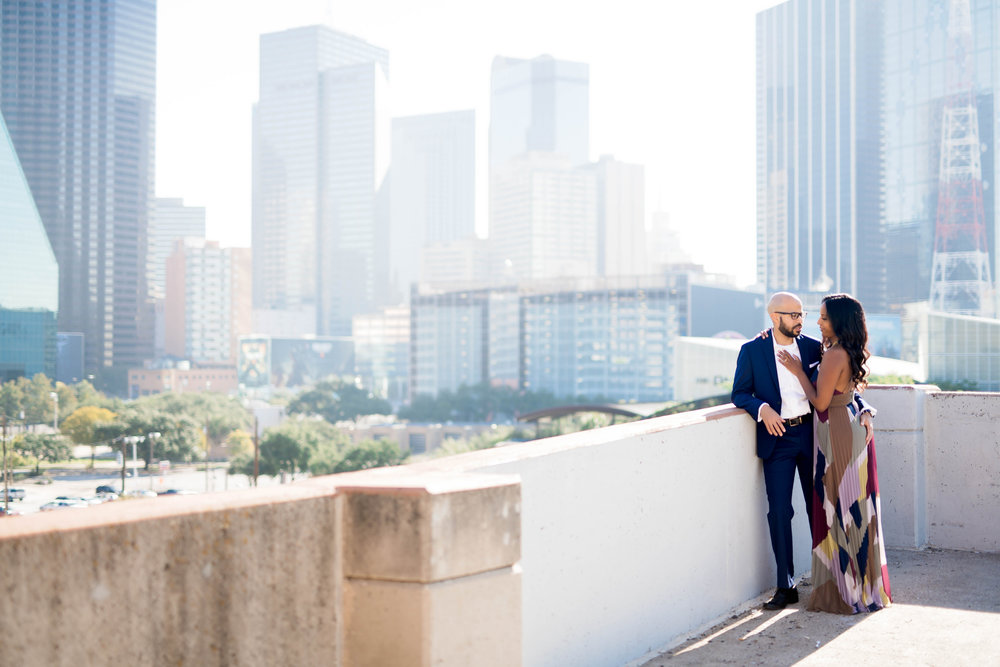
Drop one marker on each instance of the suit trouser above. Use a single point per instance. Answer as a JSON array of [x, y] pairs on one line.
[[792, 451]]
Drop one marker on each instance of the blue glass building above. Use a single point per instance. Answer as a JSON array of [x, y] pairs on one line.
[[820, 174], [916, 65], [29, 276]]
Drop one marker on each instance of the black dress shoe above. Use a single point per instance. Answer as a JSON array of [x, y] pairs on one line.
[[782, 598]]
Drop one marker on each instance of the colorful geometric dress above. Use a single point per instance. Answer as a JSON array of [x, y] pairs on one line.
[[849, 571]]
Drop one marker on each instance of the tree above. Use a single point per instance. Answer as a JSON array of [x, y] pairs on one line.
[[43, 447], [88, 426], [220, 415], [337, 400], [37, 402], [371, 454], [11, 399], [239, 443], [296, 445]]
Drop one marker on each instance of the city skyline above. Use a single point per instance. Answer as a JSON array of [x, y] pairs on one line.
[[690, 125]]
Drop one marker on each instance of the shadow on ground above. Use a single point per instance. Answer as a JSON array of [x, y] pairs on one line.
[[946, 610]]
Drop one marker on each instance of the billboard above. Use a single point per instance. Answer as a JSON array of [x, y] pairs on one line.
[[293, 362], [253, 364]]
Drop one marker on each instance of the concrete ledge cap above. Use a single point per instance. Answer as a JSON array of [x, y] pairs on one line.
[[405, 481], [138, 510]]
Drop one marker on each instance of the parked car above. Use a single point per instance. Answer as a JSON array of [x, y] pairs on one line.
[[8, 512], [177, 492], [106, 488], [107, 496], [62, 504], [140, 493], [15, 494]]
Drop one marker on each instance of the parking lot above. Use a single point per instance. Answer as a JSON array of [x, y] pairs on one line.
[[84, 483]]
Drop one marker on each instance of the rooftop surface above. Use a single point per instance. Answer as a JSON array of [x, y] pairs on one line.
[[946, 611]]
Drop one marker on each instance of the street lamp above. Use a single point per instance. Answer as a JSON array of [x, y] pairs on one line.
[[55, 410], [126, 440], [150, 437]]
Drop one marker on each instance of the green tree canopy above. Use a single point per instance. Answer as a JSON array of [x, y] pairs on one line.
[[478, 403], [370, 454], [43, 447], [220, 414], [80, 424], [338, 400]]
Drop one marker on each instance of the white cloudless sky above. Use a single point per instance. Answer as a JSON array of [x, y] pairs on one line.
[[671, 88]]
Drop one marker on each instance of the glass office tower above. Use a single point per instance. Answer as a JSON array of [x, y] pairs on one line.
[[77, 87], [320, 176], [820, 181], [433, 198], [29, 276], [916, 66], [542, 104]]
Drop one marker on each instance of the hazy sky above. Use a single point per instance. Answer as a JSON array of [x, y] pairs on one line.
[[671, 88]]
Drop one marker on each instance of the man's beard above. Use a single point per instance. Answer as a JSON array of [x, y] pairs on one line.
[[787, 332]]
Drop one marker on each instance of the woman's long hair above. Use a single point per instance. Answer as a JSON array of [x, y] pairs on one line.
[[847, 318]]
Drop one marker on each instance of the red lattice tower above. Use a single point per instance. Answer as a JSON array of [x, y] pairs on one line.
[[960, 271]]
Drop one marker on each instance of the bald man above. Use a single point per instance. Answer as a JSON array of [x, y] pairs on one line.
[[772, 395]]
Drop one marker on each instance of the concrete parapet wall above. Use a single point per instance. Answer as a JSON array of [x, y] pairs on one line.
[[635, 533], [262, 577], [235, 579], [963, 470]]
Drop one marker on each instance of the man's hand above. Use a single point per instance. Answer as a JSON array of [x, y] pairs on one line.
[[772, 420], [866, 421]]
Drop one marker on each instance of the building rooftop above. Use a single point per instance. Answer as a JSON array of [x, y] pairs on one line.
[[946, 610]]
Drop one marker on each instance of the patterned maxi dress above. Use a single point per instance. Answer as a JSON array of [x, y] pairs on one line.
[[849, 571]]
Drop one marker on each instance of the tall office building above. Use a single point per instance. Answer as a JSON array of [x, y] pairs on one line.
[[543, 206], [207, 300], [29, 276], [542, 104], [77, 87], [621, 218], [433, 189], [320, 176], [171, 220], [820, 179], [917, 62], [544, 218]]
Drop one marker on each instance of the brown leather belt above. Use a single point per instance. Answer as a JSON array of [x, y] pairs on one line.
[[798, 421]]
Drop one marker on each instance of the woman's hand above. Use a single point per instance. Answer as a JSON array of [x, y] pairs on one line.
[[791, 362]]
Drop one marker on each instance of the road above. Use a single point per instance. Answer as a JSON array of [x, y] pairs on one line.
[[84, 483]]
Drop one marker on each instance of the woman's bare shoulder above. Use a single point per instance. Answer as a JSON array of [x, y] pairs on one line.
[[836, 355]]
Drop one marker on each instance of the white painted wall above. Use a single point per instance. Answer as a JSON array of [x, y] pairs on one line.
[[635, 534], [963, 470]]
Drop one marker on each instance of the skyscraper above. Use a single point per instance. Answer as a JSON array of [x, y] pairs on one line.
[[207, 300], [171, 220], [621, 218], [543, 206], [433, 189], [542, 104], [917, 62], [320, 171], [77, 87], [29, 276], [543, 218], [820, 182]]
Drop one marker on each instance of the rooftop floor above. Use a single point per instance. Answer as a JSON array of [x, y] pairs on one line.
[[946, 611]]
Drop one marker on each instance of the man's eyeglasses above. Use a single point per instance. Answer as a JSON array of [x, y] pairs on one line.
[[795, 316]]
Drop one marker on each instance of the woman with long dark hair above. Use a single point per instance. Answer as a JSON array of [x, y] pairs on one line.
[[849, 571]]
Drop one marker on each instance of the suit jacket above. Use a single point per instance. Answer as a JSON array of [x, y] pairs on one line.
[[756, 380]]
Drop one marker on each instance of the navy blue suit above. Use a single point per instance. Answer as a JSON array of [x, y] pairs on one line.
[[756, 383]]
